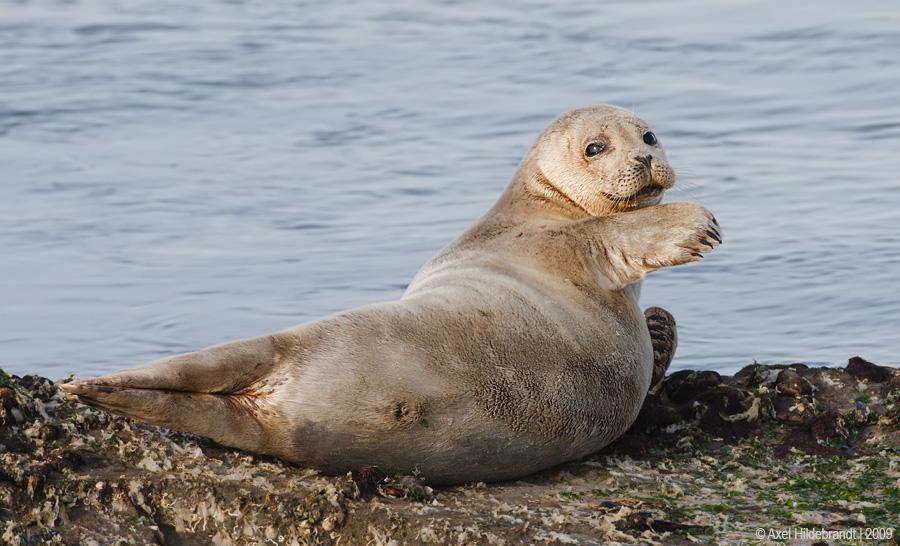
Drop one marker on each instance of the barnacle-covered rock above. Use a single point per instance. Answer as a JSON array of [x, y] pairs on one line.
[[711, 459]]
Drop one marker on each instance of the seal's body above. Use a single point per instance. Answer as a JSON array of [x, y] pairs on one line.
[[519, 346]]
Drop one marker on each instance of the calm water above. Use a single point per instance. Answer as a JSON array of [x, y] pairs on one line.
[[179, 174]]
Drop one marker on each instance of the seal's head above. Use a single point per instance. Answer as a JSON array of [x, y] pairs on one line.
[[602, 159]]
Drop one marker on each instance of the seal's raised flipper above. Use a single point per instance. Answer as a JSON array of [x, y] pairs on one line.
[[664, 336], [215, 392], [629, 245]]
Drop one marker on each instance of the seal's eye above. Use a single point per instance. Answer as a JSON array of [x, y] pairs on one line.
[[594, 148], [650, 138]]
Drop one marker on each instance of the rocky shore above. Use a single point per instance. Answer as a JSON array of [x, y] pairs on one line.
[[771, 455]]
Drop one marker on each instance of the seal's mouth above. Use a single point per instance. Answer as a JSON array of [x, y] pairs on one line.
[[652, 190]]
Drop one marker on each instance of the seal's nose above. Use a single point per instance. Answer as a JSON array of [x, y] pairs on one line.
[[645, 159]]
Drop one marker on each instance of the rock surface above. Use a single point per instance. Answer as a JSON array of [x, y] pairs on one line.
[[710, 460]]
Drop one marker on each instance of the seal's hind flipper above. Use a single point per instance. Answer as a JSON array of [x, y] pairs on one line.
[[221, 392], [227, 368], [233, 420], [664, 336]]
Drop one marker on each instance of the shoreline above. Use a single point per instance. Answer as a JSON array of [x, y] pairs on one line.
[[799, 453]]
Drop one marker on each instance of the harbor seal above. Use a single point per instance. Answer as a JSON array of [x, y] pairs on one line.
[[518, 347]]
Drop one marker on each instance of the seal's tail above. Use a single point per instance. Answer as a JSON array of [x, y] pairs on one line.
[[220, 392]]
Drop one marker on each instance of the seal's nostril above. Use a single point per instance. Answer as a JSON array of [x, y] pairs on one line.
[[645, 159]]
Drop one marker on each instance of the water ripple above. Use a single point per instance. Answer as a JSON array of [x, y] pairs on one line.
[[181, 174]]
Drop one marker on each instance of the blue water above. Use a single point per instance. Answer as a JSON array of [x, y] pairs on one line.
[[179, 174]]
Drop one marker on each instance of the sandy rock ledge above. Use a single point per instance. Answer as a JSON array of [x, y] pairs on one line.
[[711, 460]]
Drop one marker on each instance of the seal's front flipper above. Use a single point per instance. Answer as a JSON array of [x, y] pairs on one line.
[[628, 245], [222, 392], [664, 337]]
